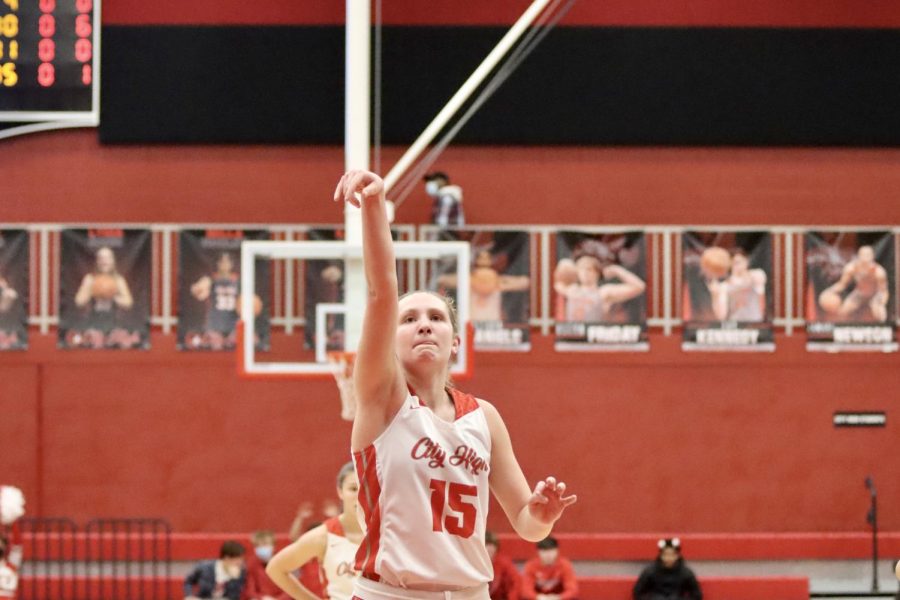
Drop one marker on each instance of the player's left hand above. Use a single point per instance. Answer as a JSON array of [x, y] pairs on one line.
[[548, 502]]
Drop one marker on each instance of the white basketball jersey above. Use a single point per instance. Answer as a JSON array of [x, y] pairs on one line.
[[424, 494], [338, 563]]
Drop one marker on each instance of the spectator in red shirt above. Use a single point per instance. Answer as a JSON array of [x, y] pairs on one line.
[[259, 586], [549, 576], [507, 581]]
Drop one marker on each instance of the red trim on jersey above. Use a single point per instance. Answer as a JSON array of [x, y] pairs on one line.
[[369, 497], [464, 403], [333, 525]]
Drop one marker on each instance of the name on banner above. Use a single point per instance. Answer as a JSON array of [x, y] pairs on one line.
[[599, 334], [728, 337], [863, 335], [495, 334]]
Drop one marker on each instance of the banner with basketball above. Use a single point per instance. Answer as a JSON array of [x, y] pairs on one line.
[[727, 299], [599, 285], [104, 288], [323, 282], [209, 288], [14, 287], [499, 285], [849, 297]]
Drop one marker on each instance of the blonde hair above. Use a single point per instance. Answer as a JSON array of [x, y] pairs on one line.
[[451, 313]]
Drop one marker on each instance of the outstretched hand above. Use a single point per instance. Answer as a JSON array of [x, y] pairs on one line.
[[357, 186], [547, 502]]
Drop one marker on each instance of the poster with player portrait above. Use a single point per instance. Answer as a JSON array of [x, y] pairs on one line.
[[209, 287], [104, 288], [599, 285], [323, 282], [14, 287], [849, 300], [727, 299], [499, 285]]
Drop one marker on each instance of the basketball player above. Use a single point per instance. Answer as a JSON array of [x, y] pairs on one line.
[[221, 289], [12, 507], [333, 543], [486, 288], [741, 297], [870, 289], [425, 453], [586, 299], [104, 291]]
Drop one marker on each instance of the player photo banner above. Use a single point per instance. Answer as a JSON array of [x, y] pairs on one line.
[[104, 288], [323, 282], [209, 288], [600, 291], [500, 285], [727, 300], [14, 286], [849, 300]]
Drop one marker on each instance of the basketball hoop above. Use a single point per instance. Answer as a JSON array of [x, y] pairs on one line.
[[342, 369]]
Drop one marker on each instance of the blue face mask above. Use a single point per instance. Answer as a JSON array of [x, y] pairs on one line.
[[264, 553], [432, 187]]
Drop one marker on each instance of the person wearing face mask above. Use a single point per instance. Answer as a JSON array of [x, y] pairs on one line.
[[549, 576], [333, 544], [222, 578], [447, 200], [259, 585], [668, 578]]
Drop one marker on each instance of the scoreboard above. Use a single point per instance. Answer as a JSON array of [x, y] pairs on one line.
[[49, 60]]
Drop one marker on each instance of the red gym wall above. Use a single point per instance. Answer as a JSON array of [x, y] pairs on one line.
[[657, 441]]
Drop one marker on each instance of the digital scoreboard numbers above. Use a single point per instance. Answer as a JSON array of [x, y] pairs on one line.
[[49, 60]]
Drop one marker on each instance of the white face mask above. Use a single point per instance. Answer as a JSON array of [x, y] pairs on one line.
[[432, 187]]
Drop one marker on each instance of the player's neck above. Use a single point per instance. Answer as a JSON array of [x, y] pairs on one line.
[[350, 523], [432, 392]]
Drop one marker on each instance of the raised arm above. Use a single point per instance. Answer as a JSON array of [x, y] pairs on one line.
[[631, 285], [380, 389], [531, 513]]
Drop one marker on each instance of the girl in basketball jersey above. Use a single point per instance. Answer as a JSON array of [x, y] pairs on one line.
[[104, 291], [426, 454], [333, 543]]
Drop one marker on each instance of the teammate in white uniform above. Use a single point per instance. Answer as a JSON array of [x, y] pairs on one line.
[[426, 454], [333, 543]]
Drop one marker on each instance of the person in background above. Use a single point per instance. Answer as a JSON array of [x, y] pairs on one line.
[[259, 586], [549, 576], [222, 578], [668, 578], [447, 200], [507, 581]]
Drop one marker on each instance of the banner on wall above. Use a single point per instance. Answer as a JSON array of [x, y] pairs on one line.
[[727, 298], [323, 282], [500, 285], [209, 287], [600, 291], [849, 299], [14, 288], [104, 288]]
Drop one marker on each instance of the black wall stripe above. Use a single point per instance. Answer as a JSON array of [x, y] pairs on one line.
[[644, 86]]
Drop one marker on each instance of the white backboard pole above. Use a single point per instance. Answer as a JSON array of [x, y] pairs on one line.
[[356, 155]]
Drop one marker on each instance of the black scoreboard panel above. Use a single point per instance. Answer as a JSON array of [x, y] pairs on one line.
[[48, 60]]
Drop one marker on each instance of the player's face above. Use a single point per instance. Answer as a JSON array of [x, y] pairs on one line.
[[739, 264], [587, 272], [225, 264], [548, 556], [483, 260], [866, 255], [668, 556], [348, 492], [425, 333], [106, 260]]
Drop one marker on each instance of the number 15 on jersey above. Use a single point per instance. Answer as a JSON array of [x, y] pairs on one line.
[[455, 497]]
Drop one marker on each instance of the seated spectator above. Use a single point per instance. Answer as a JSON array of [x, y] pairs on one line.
[[259, 586], [668, 578], [549, 576], [223, 578], [507, 580]]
